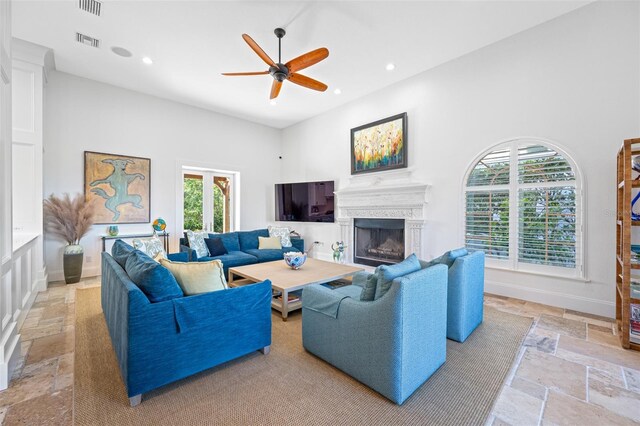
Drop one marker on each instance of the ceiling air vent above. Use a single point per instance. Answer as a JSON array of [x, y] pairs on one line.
[[89, 41], [91, 6]]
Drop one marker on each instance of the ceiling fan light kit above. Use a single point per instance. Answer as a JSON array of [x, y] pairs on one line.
[[281, 72]]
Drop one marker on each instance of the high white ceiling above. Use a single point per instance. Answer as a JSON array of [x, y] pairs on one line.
[[192, 42]]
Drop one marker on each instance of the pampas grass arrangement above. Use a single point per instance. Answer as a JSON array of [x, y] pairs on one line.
[[68, 218]]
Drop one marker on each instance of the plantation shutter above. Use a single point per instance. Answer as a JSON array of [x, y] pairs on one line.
[[487, 222], [546, 208], [487, 205]]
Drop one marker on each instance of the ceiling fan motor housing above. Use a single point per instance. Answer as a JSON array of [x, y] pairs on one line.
[[280, 72]]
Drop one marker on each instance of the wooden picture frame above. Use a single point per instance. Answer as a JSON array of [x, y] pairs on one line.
[[120, 186], [379, 146]]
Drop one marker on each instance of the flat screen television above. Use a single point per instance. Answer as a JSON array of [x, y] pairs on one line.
[[305, 202]]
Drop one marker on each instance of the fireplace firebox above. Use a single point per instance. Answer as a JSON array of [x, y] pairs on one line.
[[378, 241]]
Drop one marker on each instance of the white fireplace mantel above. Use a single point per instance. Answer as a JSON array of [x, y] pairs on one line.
[[392, 195]]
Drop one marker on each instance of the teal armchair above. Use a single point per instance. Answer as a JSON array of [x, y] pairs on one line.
[[392, 344]]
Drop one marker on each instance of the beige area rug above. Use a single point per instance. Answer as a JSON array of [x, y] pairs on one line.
[[290, 386]]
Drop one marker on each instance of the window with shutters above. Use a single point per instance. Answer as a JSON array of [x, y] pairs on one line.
[[522, 204]]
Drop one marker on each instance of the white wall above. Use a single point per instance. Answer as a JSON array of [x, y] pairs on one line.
[[573, 80], [84, 115]]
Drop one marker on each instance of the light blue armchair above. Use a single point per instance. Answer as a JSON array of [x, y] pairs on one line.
[[392, 344], [465, 297]]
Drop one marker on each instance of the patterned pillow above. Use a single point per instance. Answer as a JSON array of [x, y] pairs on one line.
[[196, 242], [152, 247], [281, 232]]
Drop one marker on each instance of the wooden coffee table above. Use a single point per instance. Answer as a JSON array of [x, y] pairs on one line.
[[286, 280]]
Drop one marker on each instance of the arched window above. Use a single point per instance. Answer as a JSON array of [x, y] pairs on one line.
[[522, 208]]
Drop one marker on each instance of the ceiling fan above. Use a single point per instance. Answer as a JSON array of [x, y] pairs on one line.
[[288, 71]]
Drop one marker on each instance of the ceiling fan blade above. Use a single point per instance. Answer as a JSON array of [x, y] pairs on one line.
[[275, 89], [308, 59], [252, 44], [307, 82], [246, 73]]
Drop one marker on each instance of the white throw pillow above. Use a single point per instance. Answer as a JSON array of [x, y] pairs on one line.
[[197, 277], [281, 232], [196, 242], [152, 247]]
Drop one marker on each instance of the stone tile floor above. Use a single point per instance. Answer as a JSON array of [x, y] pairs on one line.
[[570, 368]]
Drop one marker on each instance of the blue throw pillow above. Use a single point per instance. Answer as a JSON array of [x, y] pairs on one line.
[[153, 279], [215, 246], [446, 259], [120, 252], [387, 273], [369, 288], [229, 239]]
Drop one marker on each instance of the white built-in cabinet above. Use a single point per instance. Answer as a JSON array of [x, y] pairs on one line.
[[24, 67], [9, 338]]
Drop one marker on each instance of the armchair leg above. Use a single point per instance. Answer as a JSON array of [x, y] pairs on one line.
[[266, 350], [135, 400]]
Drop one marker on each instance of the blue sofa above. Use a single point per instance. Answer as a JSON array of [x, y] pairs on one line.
[[159, 343], [242, 248], [392, 344]]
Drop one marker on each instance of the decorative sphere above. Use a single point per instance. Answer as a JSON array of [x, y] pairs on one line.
[[159, 224], [295, 259]]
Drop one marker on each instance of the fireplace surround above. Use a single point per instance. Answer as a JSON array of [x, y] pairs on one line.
[[385, 195]]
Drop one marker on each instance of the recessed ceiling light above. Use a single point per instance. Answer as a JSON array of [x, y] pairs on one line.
[[390, 66], [147, 60], [337, 91], [121, 51], [273, 103]]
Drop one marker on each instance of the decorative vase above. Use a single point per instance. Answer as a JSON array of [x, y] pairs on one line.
[[113, 230], [339, 255], [72, 263]]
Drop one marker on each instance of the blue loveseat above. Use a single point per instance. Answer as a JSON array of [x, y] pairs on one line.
[[242, 248], [159, 343]]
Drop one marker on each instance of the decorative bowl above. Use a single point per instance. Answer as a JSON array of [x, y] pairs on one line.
[[295, 259]]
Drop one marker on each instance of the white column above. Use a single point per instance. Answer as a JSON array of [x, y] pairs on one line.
[[31, 63], [346, 235], [414, 238]]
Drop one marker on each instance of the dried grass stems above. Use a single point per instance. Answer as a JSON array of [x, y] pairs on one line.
[[68, 218]]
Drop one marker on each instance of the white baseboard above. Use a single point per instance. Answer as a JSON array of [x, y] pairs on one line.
[[27, 307], [86, 272], [11, 347], [552, 298], [41, 281]]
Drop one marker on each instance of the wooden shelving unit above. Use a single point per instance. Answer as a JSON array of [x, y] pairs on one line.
[[624, 266]]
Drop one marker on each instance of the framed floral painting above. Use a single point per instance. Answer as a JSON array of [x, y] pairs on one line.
[[379, 146]]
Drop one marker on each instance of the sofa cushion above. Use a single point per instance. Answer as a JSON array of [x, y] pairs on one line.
[[229, 239], [233, 258], [120, 252], [282, 232], [197, 277], [215, 246], [269, 243], [249, 239], [152, 278], [387, 273], [196, 242], [352, 291], [152, 247], [269, 255]]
